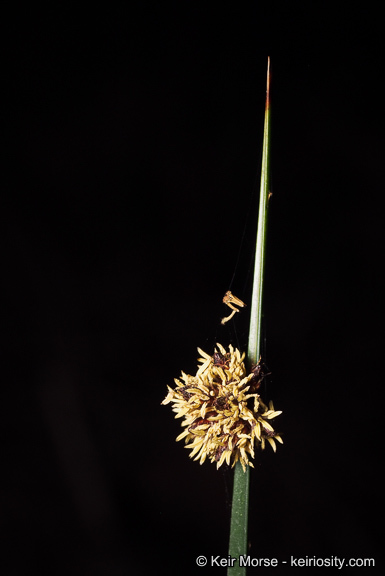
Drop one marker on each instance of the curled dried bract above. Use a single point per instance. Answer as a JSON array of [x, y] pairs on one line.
[[231, 301]]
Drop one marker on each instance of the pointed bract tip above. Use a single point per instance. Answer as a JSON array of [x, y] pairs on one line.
[[268, 84]]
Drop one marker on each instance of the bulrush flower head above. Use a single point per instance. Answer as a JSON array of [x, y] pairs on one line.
[[223, 415]]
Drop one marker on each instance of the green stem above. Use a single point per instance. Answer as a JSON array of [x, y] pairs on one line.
[[253, 352], [240, 504], [239, 518]]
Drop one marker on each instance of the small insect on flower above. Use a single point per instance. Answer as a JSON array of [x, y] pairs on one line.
[[229, 299], [224, 417]]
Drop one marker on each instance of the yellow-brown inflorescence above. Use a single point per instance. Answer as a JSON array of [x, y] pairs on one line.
[[223, 414]]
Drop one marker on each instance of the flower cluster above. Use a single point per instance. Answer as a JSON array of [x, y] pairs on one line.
[[224, 416]]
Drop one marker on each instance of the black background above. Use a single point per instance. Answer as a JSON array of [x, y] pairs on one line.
[[131, 188]]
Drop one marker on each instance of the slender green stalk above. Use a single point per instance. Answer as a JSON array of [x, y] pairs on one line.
[[253, 352], [240, 503]]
